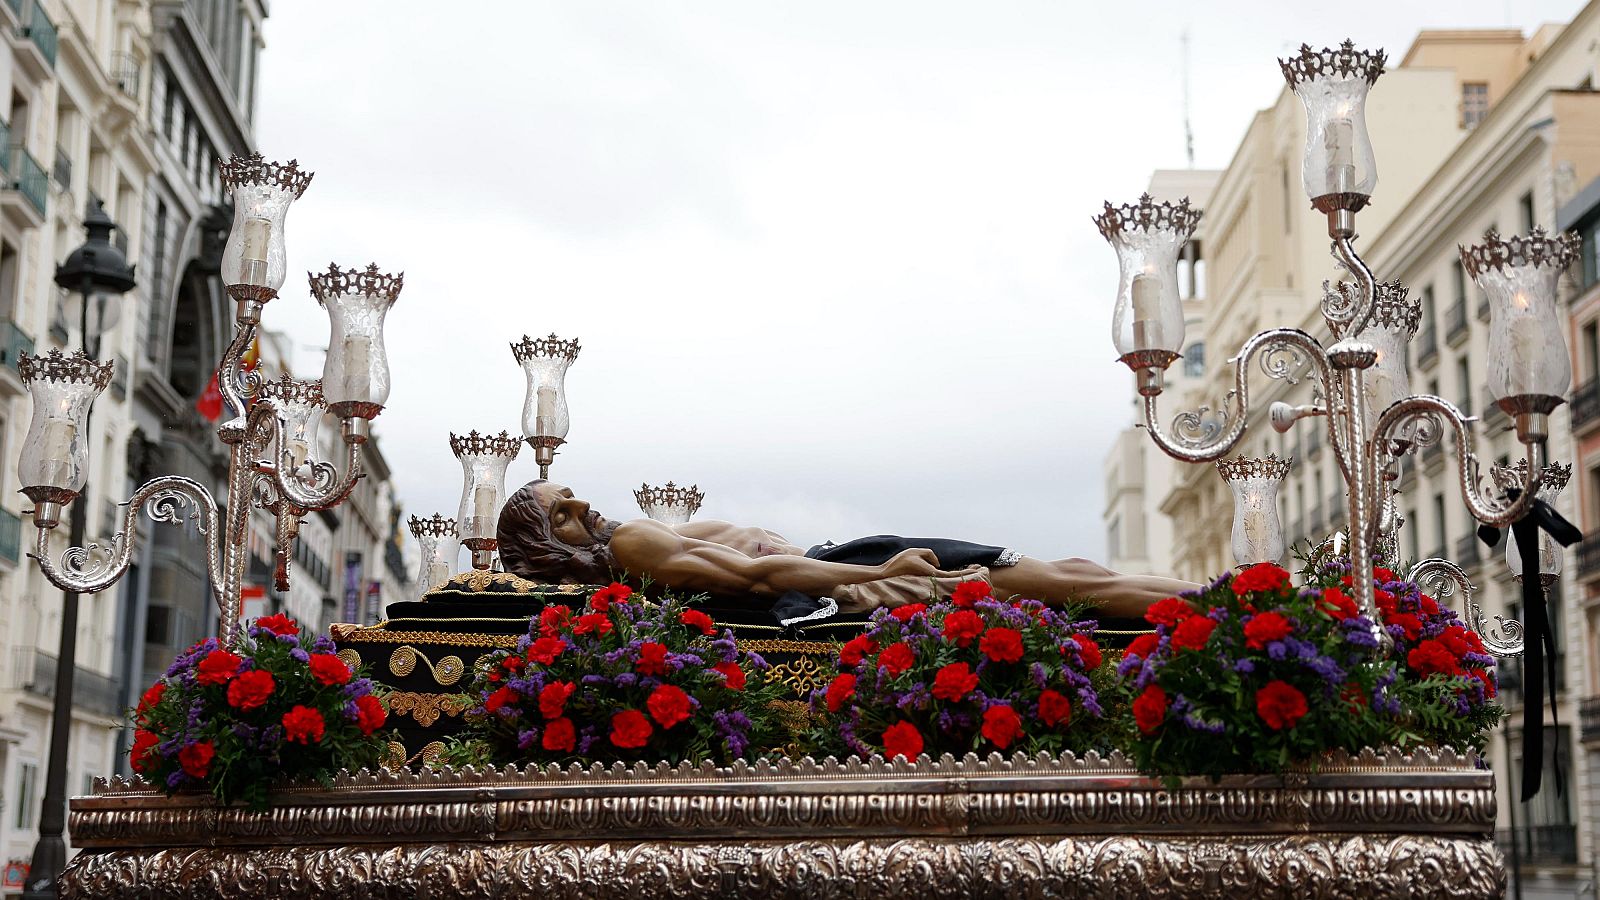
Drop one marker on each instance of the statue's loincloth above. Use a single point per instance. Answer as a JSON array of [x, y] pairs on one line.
[[880, 548]]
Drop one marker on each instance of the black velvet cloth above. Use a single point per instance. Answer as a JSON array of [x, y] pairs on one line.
[[880, 548]]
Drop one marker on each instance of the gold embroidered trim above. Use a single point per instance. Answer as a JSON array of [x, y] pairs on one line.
[[430, 754], [779, 645], [801, 676], [426, 708], [446, 672], [379, 635], [351, 658]]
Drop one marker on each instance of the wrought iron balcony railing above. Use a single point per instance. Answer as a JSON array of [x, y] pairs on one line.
[[13, 343], [27, 177], [1427, 346], [1586, 405], [1589, 720], [1467, 551], [40, 30], [1542, 843], [61, 169], [1456, 322], [1589, 558], [10, 537]]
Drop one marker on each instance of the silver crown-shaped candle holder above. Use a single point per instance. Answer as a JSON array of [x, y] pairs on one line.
[[1257, 532], [670, 504], [440, 544]]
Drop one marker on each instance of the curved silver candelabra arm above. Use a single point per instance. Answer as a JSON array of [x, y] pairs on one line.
[[1485, 508], [91, 569], [1443, 579], [1347, 308], [1197, 436], [325, 488], [238, 384]]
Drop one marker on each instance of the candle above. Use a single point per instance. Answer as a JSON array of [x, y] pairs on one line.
[[358, 367], [56, 451], [438, 573], [257, 236], [1146, 311], [483, 505], [545, 413], [1522, 371], [1340, 142]]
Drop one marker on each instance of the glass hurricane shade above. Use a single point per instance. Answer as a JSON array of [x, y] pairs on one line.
[[441, 549], [545, 362], [355, 373], [255, 252], [1257, 533], [1147, 238], [301, 407], [484, 460], [1527, 347], [1333, 85], [1394, 322], [669, 505], [55, 453], [1551, 483]]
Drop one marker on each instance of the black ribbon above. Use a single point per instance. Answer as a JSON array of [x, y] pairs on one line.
[[1538, 640]]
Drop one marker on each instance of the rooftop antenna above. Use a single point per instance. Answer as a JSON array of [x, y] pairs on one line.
[[1188, 130]]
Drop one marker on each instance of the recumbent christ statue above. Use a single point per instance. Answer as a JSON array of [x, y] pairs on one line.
[[548, 535]]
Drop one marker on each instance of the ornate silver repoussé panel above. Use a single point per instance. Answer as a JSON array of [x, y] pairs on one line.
[[1378, 825]]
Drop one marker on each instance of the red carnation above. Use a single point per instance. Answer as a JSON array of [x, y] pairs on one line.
[[1430, 607], [904, 613], [668, 705], [251, 689], [652, 659], [303, 725], [840, 689], [1433, 658], [961, 626], [611, 593], [630, 729], [559, 735], [1149, 708], [1089, 650], [902, 739], [1280, 705], [1143, 645], [152, 696], [329, 670], [552, 619], [968, 593], [1337, 605], [733, 676], [1260, 577], [499, 698], [370, 714], [694, 618], [1264, 628], [1354, 697], [1168, 612], [1385, 602], [856, 649], [144, 743], [1487, 679], [895, 658], [196, 759], [1193, 632], [1382, 575], [513, 663], [1409, 624], [218, 667], [545, 650], [1054, 708], [279, 624], [1001, 725], [1455, 640], [553, 699], [599, 623], [1002, 644], [954, 681], [1476, 643]]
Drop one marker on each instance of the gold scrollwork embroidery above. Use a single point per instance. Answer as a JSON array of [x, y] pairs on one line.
[[351, 658], [778, 645], [446, 672], [426, 708], [801, 676], [430, 754]]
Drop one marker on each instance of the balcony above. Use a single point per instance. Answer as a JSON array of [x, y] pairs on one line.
[[1589, 558], [1586, 406], [35, 672], [26, 189], [1467, 552], [37, 39], [1455, 319], [1589, 720], [61, 169], [1315, 523], [1427, 347], [1545, 844], [10, 538], [125, 72], [119, 378], [13, 343]]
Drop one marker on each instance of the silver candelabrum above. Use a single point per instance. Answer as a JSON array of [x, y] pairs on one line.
[[270, 434], [1363, 392]]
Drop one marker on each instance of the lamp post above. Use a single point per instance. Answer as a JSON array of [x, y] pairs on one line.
[[100, 274]]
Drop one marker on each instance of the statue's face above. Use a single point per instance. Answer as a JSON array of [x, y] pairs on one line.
[[571, 520]]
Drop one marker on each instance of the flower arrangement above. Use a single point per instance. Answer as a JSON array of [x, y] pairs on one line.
[[970, 674], [1252, 674], [233, 718], [621, 679]]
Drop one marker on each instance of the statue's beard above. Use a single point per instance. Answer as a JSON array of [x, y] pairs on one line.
[[601, 533]]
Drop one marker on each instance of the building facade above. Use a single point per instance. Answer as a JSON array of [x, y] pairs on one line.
[[1474, 130]]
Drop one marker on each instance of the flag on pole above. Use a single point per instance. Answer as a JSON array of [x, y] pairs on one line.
[[210, 403]]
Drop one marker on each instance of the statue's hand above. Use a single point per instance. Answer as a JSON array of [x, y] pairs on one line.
[[916, 561]]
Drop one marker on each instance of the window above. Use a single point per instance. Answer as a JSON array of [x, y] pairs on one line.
[[1194, 360], [1591, 350], [8, 281], [1526, 206], [1427, 308], [1474, 103], [27, 779], [1114, 539], [1464, 384], [1589, 272], [1440, 535], [1459, 274], [1411, 535], [158, 624]]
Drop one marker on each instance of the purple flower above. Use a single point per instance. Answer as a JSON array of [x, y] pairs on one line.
[[323, 644], [300, 655], [1244, 666]]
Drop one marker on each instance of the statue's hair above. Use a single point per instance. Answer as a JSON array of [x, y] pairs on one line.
[[529, 549]]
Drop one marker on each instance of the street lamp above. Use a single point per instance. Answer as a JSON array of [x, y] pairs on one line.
[[99, 273]]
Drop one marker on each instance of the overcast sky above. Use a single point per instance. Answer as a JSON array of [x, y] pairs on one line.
[[832, 261]]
